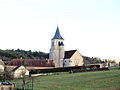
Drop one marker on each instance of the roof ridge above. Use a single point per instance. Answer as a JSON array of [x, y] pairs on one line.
[[71, 50]]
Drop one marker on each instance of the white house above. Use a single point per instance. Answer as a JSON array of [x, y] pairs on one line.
[[61, 57], [20, 71], [2, 66]]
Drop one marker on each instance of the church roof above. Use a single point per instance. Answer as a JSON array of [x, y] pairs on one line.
[[57, 34], [68, 54]]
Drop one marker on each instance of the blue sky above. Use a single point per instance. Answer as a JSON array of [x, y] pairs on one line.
[[91, 26]]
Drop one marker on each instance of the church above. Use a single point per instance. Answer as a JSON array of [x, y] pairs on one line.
[[61, 57], [58, 57]]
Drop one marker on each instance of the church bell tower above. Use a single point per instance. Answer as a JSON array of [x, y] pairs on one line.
[[57, 51]]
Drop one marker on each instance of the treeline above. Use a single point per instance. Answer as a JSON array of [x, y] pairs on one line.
[[92, 60], [7, 55]]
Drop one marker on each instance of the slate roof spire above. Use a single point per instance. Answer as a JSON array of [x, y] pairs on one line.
[[57, 34]]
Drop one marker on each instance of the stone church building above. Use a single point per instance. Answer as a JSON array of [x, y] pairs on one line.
[[61, 57]]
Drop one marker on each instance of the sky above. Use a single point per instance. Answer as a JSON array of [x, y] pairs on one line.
[[90, 26]]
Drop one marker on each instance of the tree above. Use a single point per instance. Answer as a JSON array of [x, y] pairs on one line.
[[6, 75]]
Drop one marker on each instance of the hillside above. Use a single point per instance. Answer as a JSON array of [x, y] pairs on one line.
[[7, 55]]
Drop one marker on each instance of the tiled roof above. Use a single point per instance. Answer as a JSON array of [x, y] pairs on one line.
[[57, 34], [32, 63], [68, 54], [6, 62]]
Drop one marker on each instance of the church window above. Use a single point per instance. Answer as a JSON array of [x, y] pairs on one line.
[[59, 43]]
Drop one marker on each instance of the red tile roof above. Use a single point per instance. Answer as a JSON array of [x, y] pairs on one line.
[[32, 63]]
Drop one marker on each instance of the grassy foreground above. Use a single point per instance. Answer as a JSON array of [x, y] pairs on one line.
[[99, 80]]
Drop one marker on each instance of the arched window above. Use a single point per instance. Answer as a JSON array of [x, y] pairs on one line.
[[59, 43]]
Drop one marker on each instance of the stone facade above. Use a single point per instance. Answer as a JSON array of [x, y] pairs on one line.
[[19, 71], [57, 52]]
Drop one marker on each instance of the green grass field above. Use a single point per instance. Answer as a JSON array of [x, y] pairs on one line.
[[99, 80]]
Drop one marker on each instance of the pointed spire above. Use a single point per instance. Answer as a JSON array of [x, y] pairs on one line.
[[57, 34]]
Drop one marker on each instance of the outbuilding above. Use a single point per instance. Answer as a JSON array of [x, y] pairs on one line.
[[20, 71]]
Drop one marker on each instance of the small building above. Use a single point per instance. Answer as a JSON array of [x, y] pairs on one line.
[[7, 86], [2, 66], [30, 65], [20, 71]]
